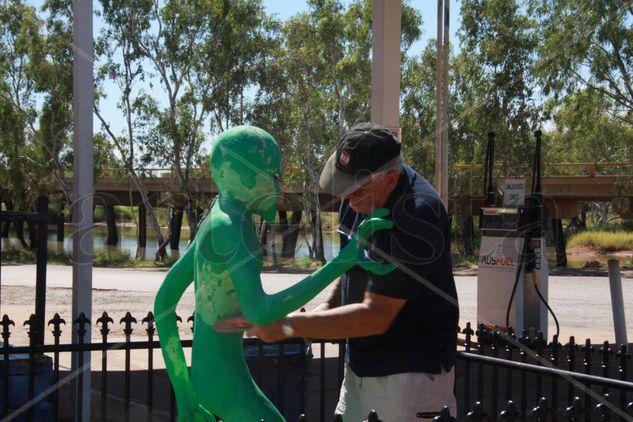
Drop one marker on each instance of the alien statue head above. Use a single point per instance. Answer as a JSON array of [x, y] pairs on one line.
[[246, 167]]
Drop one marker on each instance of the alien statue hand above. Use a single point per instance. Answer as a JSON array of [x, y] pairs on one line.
[[354, 252]]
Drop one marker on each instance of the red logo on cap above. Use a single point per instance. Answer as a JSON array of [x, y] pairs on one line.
[[344, 158]]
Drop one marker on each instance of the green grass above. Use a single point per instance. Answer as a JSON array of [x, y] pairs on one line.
[[115, 259], [603, 241], [285, 264], [611, 227], [464, 261], [150, 263], [25, 256]]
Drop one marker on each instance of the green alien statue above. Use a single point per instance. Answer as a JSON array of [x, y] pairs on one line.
[[224, 262]]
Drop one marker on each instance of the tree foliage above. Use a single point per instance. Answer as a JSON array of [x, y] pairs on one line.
[[182, 71], [587, 44], [36, 100], [494, 85]]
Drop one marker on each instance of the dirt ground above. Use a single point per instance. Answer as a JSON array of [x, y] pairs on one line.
[[17, 302]]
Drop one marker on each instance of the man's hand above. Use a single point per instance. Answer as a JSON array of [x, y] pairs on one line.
[[232, 325], [354, 251], [269, 333]]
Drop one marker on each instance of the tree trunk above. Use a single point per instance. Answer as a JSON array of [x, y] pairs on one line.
[[289, 232], [112, 238], [469, 235], [32, 225], [161, 252], [6, 225], [262, 233], [60, 224], [295, 225], [193, 218], [175, 225], [559, 241], [273, 243], [19, 233], [142, 226], [317, 235]]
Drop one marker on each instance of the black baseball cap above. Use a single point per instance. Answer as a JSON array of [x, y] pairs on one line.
[[365, 149]]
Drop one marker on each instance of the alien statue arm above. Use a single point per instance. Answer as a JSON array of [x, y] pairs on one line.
[[261, 309], [179, 277]]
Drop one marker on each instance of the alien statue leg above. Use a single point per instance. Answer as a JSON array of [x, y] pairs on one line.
[[222, 382]]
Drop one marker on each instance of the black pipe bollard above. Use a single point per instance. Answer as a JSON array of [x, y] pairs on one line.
[[302, 418]]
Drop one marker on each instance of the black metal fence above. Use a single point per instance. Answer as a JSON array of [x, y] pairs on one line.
[[498, 376], [505, 377]]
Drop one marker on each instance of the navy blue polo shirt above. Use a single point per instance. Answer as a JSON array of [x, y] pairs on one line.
[[423, 336]]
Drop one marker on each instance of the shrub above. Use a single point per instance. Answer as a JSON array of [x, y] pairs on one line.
[[603, 241], [113, 258]]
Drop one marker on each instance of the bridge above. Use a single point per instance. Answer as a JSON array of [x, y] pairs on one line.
[[562, 193], [599, 182]]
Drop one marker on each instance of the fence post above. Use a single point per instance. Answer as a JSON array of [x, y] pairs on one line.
[[40, 268], [105, 330], [617, 302], [57, 321], [6, 322]]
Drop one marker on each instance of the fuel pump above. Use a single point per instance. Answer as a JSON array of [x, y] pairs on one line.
[[512, 278]]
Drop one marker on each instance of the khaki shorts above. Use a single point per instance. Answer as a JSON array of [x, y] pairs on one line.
[[396, 398]]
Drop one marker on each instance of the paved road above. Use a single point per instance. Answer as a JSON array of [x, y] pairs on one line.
[[582, 304]]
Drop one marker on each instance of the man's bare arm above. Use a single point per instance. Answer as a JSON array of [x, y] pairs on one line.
[[371, 317], [334, 298]]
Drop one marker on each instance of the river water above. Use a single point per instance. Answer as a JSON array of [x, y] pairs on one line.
[[127, 242]]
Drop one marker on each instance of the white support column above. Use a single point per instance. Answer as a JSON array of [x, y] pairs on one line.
[[439, 45], [446, 123], [385, 68], [82, 196], [441, 100]]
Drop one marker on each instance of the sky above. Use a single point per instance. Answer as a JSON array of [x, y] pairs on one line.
[[287, 8], [284, 9]]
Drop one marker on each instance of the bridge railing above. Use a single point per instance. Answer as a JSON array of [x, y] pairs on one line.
[[566, 169], [119, 172], [550, 169]]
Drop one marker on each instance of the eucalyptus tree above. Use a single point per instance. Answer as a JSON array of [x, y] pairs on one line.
[[587, 44], [36, 90], [320, 87], [585, 64], [199, 59], [20, 41], [494, 84], [35, 102], [122, 63], [585, 130], [417, 113]]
